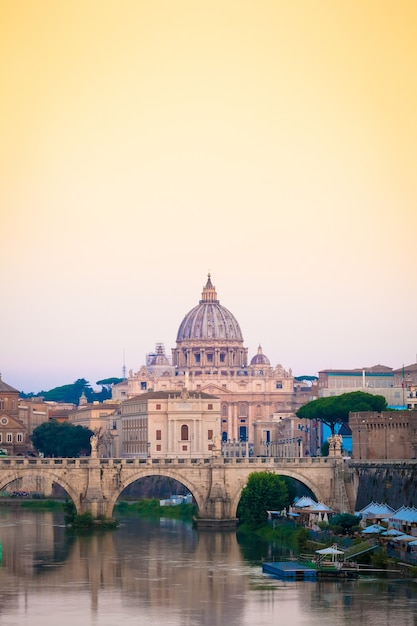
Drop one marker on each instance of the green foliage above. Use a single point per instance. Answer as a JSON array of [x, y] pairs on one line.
[[72, 393], [62, 440], [108, 382], [335, 409], [302, 535], [324, 448], [85, 520], [345, 522], [150, 507], [70, 512], [264, 491], [379, 558], [42, 505]]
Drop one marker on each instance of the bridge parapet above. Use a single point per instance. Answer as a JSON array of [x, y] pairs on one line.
[[138, 462]]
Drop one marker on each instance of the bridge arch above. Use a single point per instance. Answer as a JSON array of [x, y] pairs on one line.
[[9, 476], [137, 474], [236, 495]]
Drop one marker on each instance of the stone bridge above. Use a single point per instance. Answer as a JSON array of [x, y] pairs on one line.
[[94, 484]]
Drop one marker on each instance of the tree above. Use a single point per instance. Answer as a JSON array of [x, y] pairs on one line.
[[108, 382], [345, 521], [70, 393], [62, 440], [264, 491], [106, 385], [335, 409]]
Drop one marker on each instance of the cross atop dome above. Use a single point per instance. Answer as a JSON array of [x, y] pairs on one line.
[[209, 291]]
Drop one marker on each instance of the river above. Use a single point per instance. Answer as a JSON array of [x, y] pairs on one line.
[[166, 573]]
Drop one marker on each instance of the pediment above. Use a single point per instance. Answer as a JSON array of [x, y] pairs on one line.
[[7, 421], [213, 389]]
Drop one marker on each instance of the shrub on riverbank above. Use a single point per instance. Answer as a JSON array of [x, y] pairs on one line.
[[42, 505], [288, 534], [86, 521], [152, 508]]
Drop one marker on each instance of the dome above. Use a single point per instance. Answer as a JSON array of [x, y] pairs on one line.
[[209, 320], [159, 357], [260, 358]]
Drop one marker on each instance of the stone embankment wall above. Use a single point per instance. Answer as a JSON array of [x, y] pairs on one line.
[[395, 486]]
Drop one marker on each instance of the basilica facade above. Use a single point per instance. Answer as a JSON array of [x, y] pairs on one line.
[[209, 357]]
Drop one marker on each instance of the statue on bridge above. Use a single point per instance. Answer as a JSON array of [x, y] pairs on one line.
[[335, 445], [94, 443], [217, 446]]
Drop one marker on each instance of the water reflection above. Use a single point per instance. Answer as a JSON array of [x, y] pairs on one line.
[[167, 573]]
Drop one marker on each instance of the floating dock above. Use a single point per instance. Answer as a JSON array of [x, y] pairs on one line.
[[291, 570], [294, 570]]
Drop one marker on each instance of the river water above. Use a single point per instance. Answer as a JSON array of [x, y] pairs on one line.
[[166, 573]]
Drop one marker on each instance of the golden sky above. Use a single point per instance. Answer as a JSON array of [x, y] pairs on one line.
[[145, 143]]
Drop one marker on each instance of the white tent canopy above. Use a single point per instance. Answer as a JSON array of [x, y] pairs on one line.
[[332, 550]]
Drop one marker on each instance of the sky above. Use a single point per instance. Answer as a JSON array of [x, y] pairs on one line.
[[145, 143]]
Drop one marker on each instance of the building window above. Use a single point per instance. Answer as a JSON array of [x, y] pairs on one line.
[[222, 357], [143, 385], [158, 435], [278, 384], [158, 447], [158, 407], [184, 448], [210, 407], [210, 434], [9, 438], [210, 447], [19, 437], [209, 358], [184, 432], [197, 357], [1, 437]]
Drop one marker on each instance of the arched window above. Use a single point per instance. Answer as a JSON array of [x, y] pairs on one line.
[[184, 432]]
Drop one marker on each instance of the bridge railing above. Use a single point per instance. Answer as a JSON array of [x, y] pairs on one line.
[[137, 462]]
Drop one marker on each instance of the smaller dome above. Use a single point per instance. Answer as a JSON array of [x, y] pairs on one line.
[[158, 357], [260, 358]]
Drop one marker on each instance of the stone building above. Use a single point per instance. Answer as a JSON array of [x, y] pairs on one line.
[[169, 424], [210, 357], [33, 412], [386, 435], [13, 436], [378, 380], [99, 417]]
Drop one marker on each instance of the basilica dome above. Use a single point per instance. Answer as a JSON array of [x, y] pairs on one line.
[[209, 320], [209, 338]]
